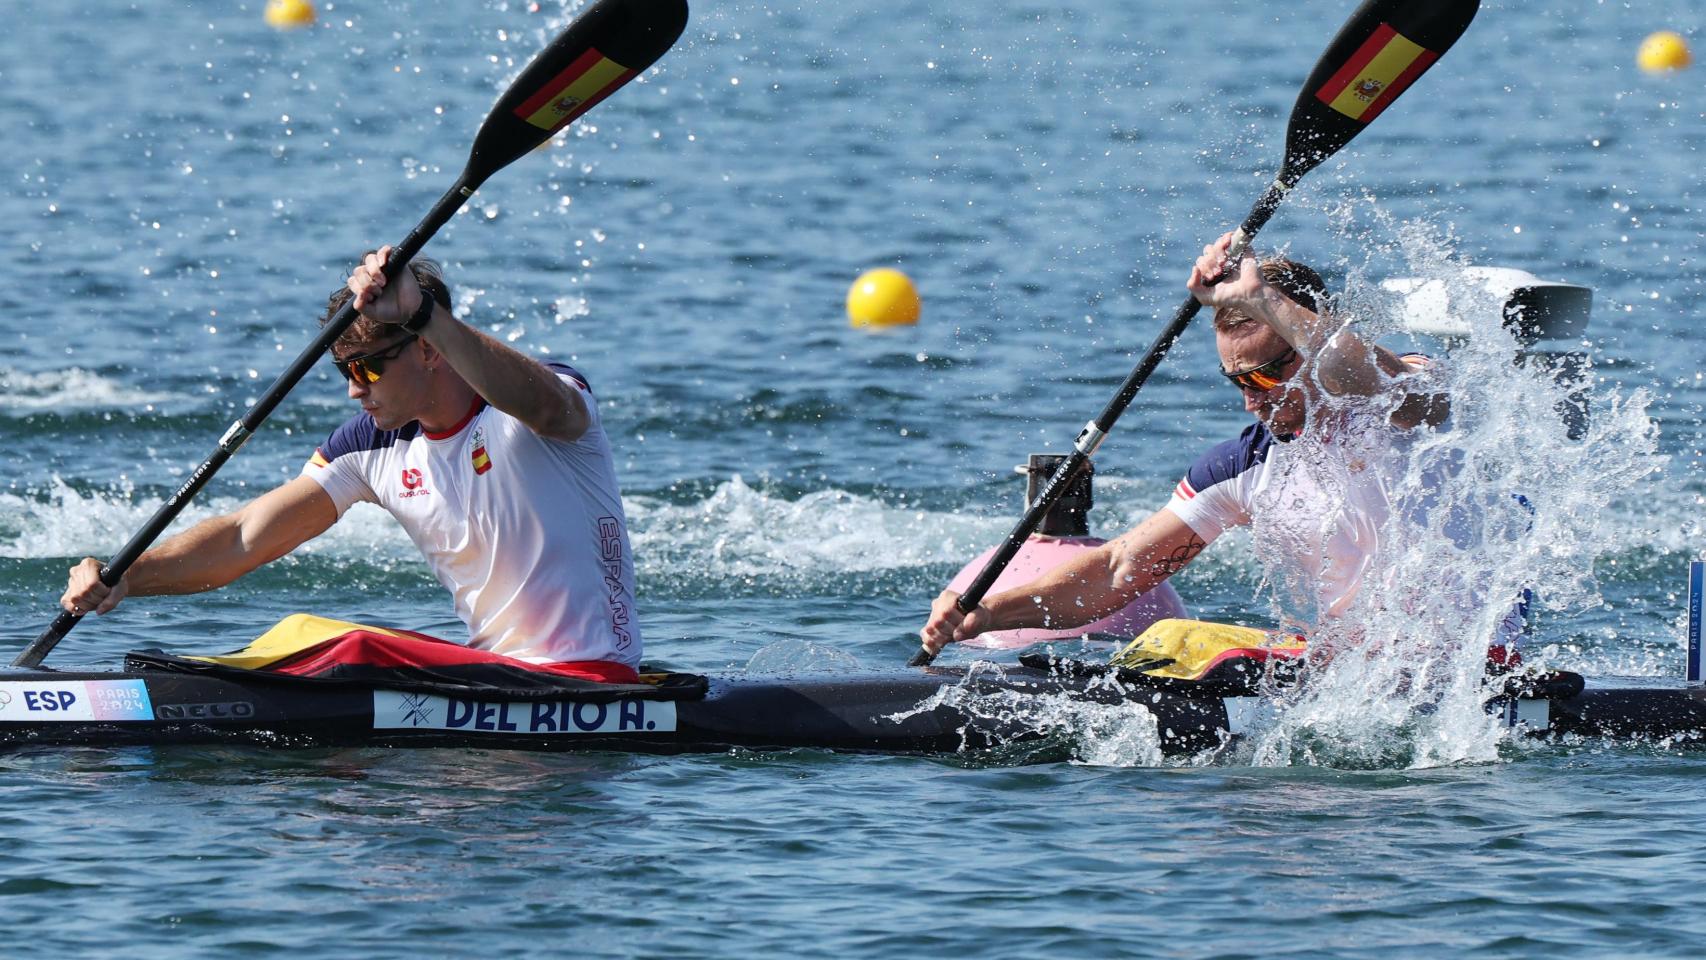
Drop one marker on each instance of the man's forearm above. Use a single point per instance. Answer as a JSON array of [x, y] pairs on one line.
[[206, 556], [1345, 363], [1082, 590]]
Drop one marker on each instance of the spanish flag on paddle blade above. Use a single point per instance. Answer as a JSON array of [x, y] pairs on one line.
[[1376, 74], [581, 85]]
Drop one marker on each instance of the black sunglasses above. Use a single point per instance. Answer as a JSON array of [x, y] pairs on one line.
[[1263, 377], [370, 366]]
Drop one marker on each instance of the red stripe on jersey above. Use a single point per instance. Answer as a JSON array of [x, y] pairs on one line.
[[473, 408]]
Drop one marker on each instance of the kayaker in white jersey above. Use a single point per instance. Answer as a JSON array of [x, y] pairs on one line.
[[1296, 369], [495, 463]]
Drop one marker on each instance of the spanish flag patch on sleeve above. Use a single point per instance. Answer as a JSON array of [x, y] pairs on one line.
[[482, 459]]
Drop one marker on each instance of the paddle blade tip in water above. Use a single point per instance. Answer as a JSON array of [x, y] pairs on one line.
[[609, 44], [1376, 56]]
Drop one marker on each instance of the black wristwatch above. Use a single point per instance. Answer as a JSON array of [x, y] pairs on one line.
[[422, 316]]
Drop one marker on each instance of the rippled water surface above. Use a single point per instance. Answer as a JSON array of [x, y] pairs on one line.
[[182, 186]]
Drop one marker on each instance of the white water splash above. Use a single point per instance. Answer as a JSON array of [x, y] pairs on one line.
[[66, 522], [71, 389], [1122, 734], [1504, 501], [741, 532], [791, 657], [737, 531]]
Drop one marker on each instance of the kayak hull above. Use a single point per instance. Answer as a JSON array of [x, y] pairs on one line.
[[886, 713], [937, 711]]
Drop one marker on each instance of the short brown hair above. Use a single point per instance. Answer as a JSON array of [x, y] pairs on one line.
[[365, 329], [1300, 283]]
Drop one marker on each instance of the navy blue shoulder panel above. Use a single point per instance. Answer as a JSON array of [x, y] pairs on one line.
[[360, 433], [571, 371], [1226, 460]]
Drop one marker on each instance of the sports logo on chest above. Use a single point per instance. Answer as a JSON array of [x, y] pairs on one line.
[[414, 483], [482, 459]]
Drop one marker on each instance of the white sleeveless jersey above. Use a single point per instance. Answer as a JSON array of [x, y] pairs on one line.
[[527, 533]]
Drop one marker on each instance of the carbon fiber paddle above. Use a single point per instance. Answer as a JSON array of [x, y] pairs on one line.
[[599, 52], [1375, 57]]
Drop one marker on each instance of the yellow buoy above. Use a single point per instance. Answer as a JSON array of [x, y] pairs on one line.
[[882, 298], [1663, 51], [288, 14]]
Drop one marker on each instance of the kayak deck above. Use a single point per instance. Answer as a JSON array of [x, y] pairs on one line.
[[935, 711]]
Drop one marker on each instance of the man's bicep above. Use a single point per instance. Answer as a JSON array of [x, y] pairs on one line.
[[1158, 547], [1175, 544], [285, 517], [578, 410]]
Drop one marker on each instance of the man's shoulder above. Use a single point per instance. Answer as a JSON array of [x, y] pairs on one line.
[[1228, 459], [359, 434], [564, 370]]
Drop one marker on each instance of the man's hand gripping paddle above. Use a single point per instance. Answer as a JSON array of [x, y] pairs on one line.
[[604, 48], [1375, 57]]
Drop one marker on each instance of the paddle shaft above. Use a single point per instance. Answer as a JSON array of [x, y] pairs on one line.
[[605, 47]]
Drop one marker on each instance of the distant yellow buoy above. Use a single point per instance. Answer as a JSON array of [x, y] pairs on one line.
[[882, 298], [1663, 51], [288, 14]]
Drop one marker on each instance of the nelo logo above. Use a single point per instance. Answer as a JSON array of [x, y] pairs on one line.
[[414, 483], [234, 710]]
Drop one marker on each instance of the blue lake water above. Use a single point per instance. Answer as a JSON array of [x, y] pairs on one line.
[[183, 185]]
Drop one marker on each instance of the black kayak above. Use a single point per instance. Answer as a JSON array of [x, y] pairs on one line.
[[942, 710]]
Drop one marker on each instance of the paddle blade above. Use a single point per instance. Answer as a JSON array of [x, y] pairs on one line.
[[1384, 47], [604, 48]]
